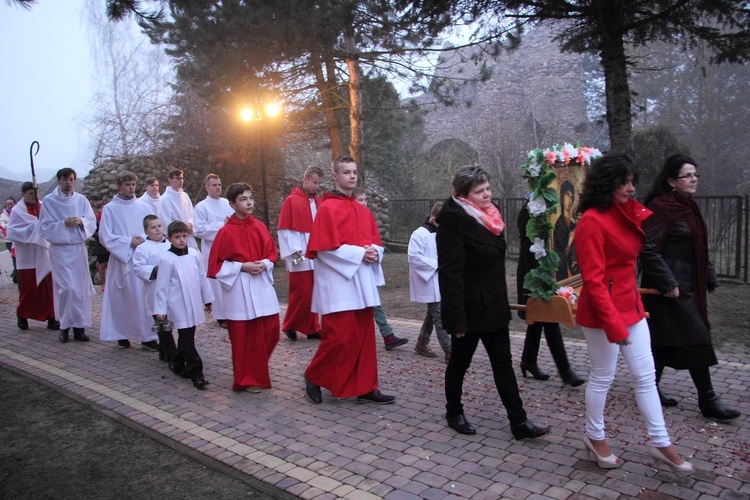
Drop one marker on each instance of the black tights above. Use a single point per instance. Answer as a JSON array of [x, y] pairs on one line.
[[701, 378]]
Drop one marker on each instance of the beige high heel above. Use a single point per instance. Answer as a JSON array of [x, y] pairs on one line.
[[610, 462], [684, 469]]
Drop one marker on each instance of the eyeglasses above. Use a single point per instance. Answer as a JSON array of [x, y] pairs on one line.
[[688, 176]]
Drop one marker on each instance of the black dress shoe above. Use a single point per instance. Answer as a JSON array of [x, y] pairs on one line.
[[291, 335], [79, 335], [666, 400], [53, 324], [22, 323], [461, 425], [200, 382], [392, 342], [313, 393], [528, 430], [123, 344], [63, 335], [376, 397], [314, 336]]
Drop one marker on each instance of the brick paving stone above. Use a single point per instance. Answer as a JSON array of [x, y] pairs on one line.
[[599, 492], [401, 495], [278, 432]]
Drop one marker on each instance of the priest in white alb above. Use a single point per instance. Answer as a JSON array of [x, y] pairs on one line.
[[32, 261], [210, 215], [66, 222], [124, 314]]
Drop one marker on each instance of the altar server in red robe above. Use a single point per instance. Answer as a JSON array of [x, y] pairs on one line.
[[295, 223], [32, 260], [241, 260], [346, 246]]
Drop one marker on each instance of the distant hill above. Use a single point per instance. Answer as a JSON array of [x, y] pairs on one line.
[[9, 187]]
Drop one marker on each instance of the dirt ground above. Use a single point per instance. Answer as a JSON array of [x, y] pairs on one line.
[[55, 447]]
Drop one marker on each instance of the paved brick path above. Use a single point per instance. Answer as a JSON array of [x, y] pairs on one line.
[[342, 449]]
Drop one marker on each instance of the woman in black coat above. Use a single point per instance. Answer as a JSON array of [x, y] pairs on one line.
[[675, 262], [471, 274], [552, 332]]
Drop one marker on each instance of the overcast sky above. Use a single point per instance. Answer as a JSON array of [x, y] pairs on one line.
[[45, 88]]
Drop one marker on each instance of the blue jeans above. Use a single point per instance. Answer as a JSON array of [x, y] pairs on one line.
[[433, 319]]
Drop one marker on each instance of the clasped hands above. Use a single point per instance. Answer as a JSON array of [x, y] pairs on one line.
[[371, 255], [256, 267]]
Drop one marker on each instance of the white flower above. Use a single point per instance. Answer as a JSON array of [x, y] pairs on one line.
[[533, 167], [571, 150], [537, 206], [538, 249]]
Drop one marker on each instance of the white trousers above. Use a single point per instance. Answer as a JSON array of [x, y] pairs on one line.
[[603, 355]]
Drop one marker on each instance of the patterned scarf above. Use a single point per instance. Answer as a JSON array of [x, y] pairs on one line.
[[489, 218]]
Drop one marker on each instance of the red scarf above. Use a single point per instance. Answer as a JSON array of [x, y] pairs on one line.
[[489, 217]]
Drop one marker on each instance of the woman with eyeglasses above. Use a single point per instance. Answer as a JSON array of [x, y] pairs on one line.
[[675, 262]]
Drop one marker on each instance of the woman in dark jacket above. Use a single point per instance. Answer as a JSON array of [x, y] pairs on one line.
[[552, 333], [675, 262], [471, 275]]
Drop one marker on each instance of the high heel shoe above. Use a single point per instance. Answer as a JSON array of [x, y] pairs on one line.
[[684, 469], [610, 462], [571, 378], [534, 370]]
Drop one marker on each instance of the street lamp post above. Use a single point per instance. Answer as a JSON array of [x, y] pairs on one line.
[[257, 113]]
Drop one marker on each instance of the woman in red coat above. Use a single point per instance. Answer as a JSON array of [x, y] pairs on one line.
[[610, 312]]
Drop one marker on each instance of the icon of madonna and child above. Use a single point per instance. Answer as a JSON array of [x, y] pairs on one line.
[[569, 182]]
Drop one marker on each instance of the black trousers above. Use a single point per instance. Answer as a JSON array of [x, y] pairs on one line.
[[497, 345], [184, 355], [553, 336], [701, 378]]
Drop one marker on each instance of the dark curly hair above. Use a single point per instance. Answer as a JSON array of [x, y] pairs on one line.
[[671, 170], [603, 177]]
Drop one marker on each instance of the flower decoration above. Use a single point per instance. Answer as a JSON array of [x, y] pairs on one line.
[[539, 249], [568, 293], [543, 200]]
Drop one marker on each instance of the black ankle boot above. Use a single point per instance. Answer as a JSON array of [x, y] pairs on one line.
[[528, 430], [534, 370], [666, 400], [571, 378], [712, 407]]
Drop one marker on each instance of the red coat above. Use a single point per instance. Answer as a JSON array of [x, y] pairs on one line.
[[608, 244], [295, 211]]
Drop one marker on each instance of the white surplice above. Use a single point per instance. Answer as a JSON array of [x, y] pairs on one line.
[[247, 296], [210, 215], [32, 251], [343, 282], [423, 267], [145, 259], [124, 314], [292, 241], [176, 205], [69, 256], [182, 289]]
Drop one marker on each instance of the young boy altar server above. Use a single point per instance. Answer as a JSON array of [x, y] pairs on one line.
[[241, 260], [146, 265], [182, 294], [346, 246], [175, 204]]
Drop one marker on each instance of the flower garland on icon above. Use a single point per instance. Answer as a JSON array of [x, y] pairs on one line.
[[541, 282]]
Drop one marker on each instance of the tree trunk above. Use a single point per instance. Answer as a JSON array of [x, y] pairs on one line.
[[355, 106], [327, 89], [617, 89]]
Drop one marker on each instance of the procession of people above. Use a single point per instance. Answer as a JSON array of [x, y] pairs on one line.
[[159, 278]]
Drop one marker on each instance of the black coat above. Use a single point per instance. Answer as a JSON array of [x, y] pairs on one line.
[[526, 259], [680, 332], [471, 273]]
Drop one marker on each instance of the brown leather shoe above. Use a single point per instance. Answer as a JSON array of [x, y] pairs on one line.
[[424, 350]]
